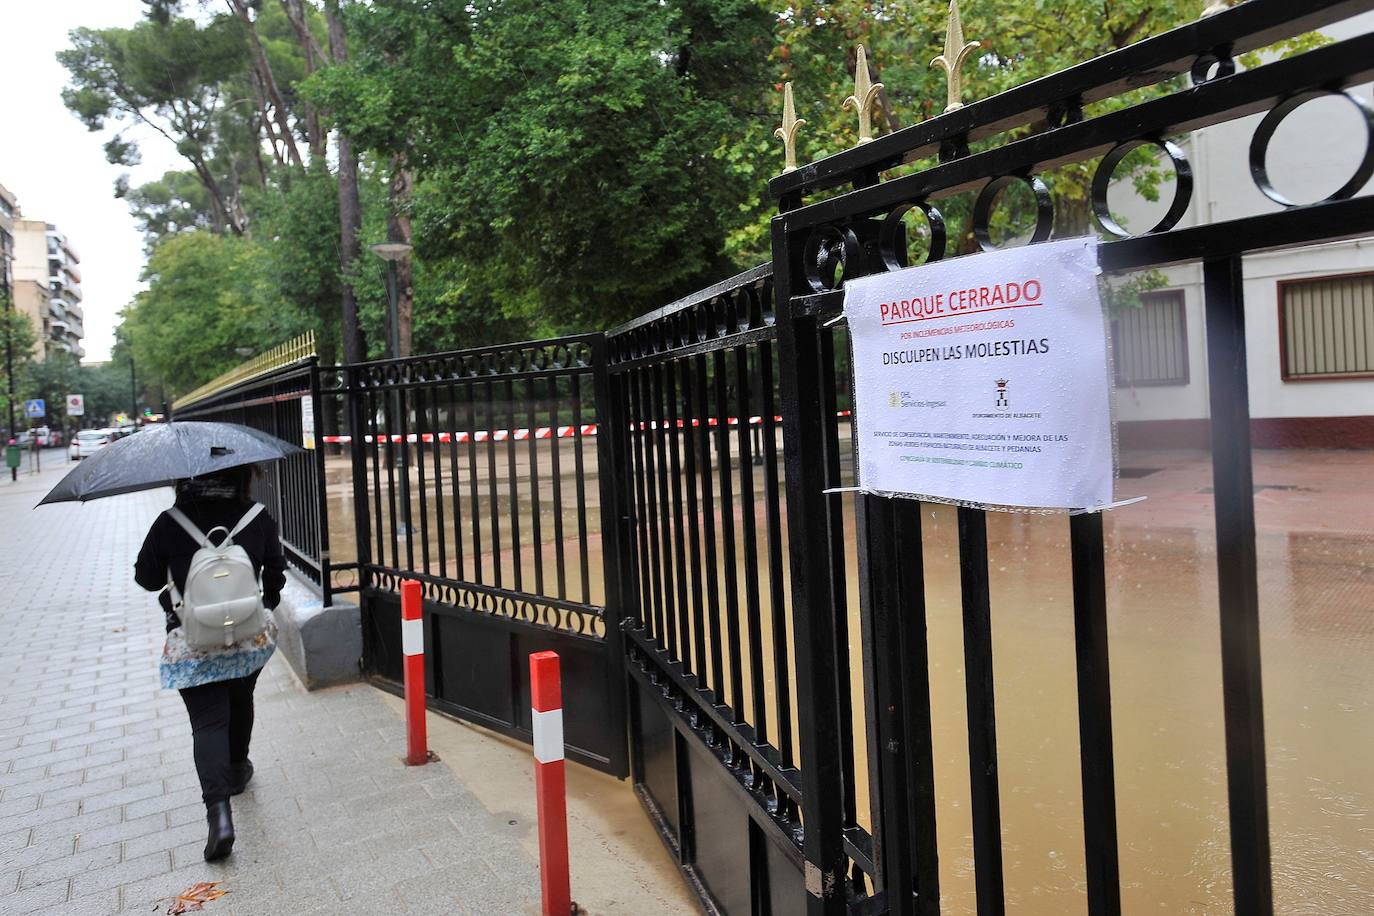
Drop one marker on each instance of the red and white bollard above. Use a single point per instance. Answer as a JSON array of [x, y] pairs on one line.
[[546, 702], [413, 647]]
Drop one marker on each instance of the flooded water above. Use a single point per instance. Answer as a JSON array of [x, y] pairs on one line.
[[1315, 540]]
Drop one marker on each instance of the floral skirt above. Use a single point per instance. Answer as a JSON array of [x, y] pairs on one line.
[[185, 666]]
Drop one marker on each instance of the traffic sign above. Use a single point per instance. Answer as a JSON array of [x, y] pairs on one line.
[[35, 409], [76, 405]]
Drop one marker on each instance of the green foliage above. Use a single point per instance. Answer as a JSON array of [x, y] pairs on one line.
[[297, 230], [571, 159], [1128, 291], [107, 388], [172, 76], [206, 297], [16, 331], [175, 203], [574, 164]]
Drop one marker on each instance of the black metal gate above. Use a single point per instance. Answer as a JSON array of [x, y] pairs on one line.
[[860, 232], [481, 475]]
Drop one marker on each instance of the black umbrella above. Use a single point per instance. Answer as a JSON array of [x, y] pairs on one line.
[[159, 456]]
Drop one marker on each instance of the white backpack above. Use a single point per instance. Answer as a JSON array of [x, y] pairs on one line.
[[222, 604]]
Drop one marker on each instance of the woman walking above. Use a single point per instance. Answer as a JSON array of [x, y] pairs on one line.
[[216, 683]]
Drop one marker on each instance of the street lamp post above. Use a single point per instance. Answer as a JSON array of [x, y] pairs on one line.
[[391, 252], [133, 393]]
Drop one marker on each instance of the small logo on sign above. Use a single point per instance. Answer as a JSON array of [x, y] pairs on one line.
[[1002, 401], [894, 399]]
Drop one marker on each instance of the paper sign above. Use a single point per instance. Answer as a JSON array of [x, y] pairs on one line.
[[307, 422], [984, 379]]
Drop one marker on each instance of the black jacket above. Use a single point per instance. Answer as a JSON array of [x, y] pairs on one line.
[[168, 546]]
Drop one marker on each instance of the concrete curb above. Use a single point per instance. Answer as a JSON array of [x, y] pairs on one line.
[[324, 645]]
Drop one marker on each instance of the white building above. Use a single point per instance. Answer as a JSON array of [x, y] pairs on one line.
[[1309, 311]]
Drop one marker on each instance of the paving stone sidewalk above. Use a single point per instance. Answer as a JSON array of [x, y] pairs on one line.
[[100, 810]]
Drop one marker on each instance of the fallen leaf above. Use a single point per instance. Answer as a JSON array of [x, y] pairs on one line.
[[194, 898]]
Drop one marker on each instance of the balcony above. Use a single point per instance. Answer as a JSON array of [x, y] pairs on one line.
[[59, 327], [57, 308]]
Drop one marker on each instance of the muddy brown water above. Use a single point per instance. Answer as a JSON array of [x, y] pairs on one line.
[[1315, 541]]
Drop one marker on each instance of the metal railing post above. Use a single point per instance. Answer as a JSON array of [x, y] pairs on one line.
[[321, 491], [818, 680], [615, 516], [357, 444], [1237, 585]]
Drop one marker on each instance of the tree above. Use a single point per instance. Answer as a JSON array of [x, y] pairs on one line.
[[171, 76], [574, 161], [350, 209], [224, 86], [177, 202], [18, 336], [206, 298], [298, 216], [106, 388]]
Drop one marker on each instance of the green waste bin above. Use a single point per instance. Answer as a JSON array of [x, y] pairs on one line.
[[14, 456]]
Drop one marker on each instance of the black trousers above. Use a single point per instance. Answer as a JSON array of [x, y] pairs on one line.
[[221, 727]]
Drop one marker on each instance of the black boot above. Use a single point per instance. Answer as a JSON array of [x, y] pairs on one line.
[[221, 822], [243, 773]]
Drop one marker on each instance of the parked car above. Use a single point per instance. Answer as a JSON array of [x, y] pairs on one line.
[[87, 442], [43, 435]]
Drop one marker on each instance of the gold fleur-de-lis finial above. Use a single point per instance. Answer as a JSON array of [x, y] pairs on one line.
[[1214, 7], [788, 132], [865, 93], [952, 61]]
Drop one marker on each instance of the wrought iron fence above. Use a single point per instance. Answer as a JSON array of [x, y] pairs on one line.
[[695, 388], [480, 473], [818, 245]]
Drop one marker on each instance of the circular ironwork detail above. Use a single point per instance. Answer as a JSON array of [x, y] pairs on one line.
[[982, 209], [829, 248], [1264, 134], [887, 234], [1222, 60], [1183, 186]]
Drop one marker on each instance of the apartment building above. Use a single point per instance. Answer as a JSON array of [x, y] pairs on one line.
[[64, 284], [47, 288], [9, 211]]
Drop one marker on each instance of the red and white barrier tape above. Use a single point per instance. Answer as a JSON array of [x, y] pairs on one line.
[[547, 432], [481, 435]]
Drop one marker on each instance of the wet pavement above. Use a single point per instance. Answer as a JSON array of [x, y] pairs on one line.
[[1315, 544], [100, 810]]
